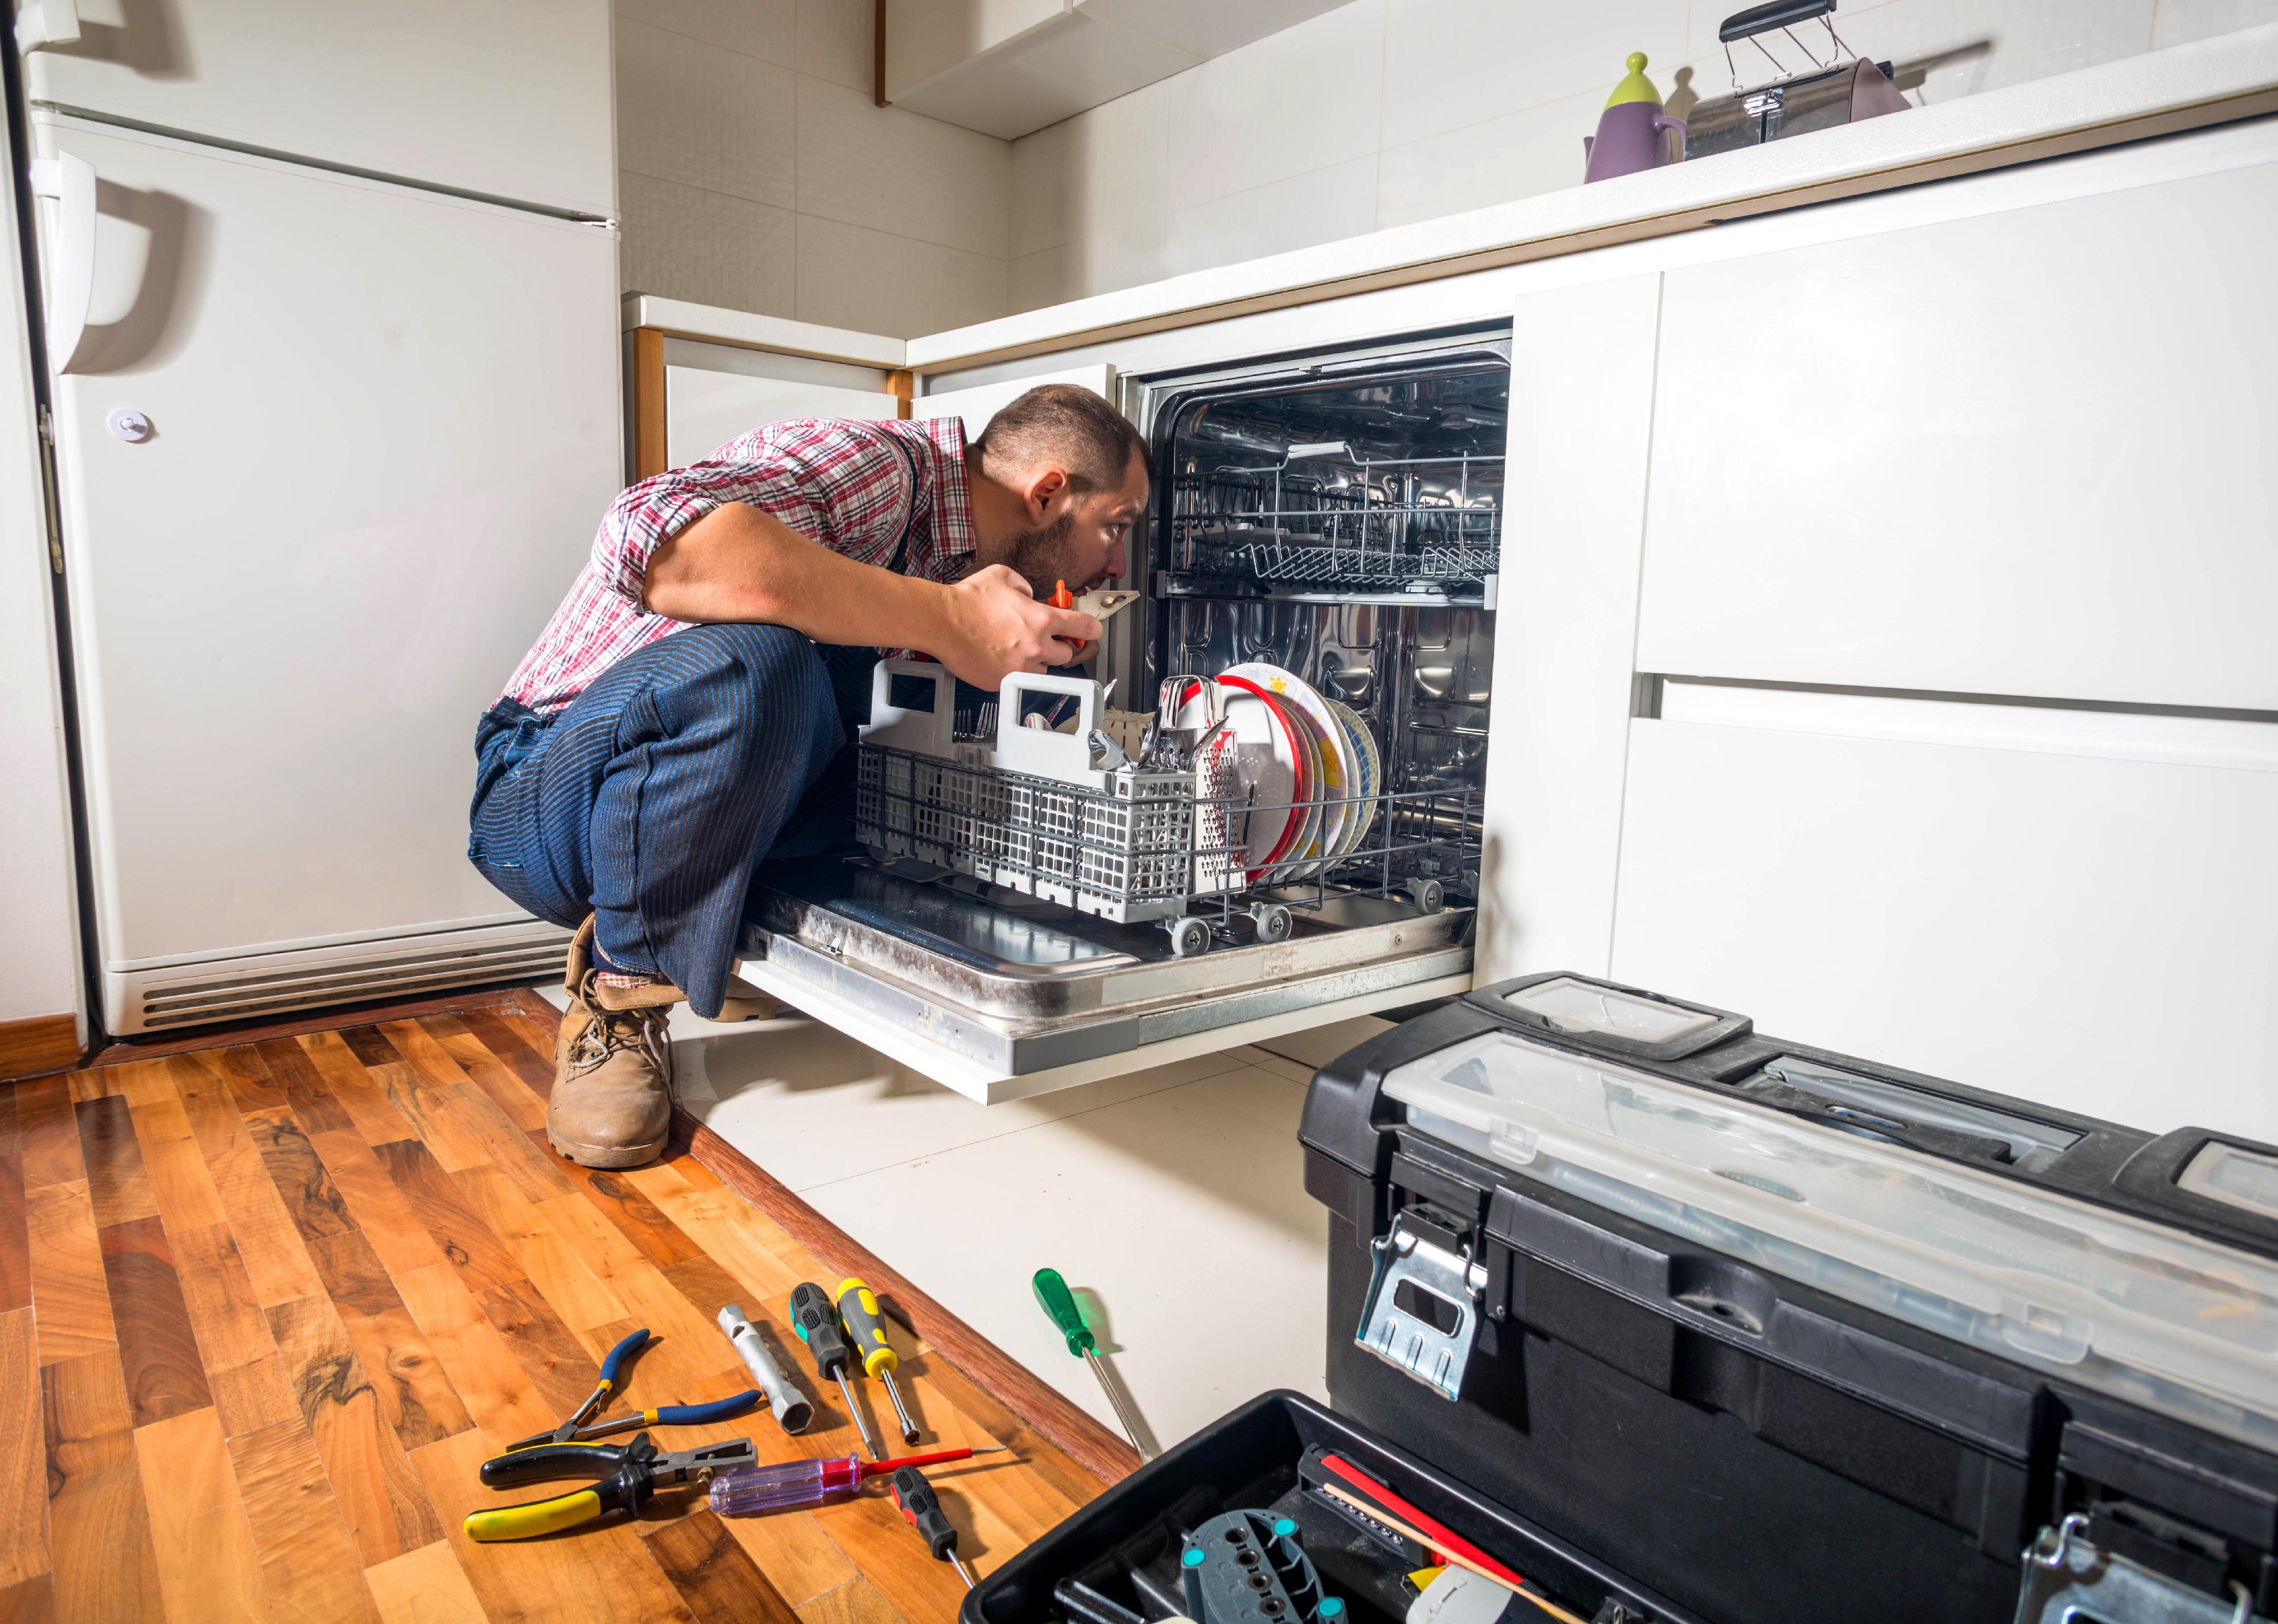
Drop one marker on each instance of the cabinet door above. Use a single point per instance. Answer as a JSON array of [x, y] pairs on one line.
[[705, 409], [2097, 931], [381, 429], [510, 99], [2027, 453]]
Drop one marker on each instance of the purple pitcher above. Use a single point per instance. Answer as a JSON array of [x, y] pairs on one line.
[[1630, 130]]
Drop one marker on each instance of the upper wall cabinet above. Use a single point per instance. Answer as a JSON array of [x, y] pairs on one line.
[[2032, 453]]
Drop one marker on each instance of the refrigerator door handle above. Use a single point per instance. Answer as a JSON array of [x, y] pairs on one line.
[[42, 23], [71, 265]]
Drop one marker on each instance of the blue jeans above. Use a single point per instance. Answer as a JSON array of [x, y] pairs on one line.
[[650, 800]]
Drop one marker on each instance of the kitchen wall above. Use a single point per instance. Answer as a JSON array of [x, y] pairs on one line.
[[755, 172], [1386, 111], [39, 926]]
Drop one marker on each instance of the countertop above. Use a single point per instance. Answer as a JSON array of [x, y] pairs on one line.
[[2209, 81]]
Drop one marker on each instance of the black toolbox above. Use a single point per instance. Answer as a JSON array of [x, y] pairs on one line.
[[1687, 1323]]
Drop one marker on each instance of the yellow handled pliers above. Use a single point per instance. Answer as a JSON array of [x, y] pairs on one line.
[[629, 1474]]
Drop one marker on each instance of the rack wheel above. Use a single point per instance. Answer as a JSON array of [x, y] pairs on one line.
[[1272, 921], [1188, 936], [1427, 895]]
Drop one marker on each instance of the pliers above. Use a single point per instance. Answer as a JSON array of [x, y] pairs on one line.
[[574, 1429], [629, 1474]]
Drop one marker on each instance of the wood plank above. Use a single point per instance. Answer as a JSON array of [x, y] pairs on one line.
[[306, 1094], [220, 1297], [253, 1397], [202, 1087], [497, 1391], [479, 1039], [37, 1045], [426, 1586], [1073, 1433], [47, 1133], [65, 1257], [144, 1083], [31, 1601], [308, 1555], [207, 1566], [250, 1085], [426, 1103], [23, 1453], [242, 1035], [377, 1491], [98, 1526], [855, 1602], [466, 1242], [157, 1350], [378, 1209], [548, 1258], [714, 1576], [603, 1571], [726, 1228], [448, 1092], [267, 1241], [661, 1240], [893, 1559], [116, 1181], [377, 1120], [311, 1199], [413, 1390], [180, 1186], [562, 1371], [799, 1559], [15, 1231]]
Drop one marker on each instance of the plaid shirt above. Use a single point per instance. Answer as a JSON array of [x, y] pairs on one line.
[[886, 493]]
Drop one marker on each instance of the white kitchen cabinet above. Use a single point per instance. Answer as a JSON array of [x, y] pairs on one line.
[[706, 408], [2024, 453], [2095, 931], [982, 402]]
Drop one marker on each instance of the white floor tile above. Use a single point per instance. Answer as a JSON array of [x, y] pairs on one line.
[[1159, 1211]]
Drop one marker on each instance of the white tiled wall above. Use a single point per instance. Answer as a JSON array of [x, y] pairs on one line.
[[1385, 111], [756, 174]]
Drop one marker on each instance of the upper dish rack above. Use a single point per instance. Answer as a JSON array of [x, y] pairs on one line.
[[1323, 517]]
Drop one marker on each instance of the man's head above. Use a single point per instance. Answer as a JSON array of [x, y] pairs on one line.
[[1058, 480]]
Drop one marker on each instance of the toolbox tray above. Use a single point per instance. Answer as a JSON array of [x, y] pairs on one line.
[[1126, 1543]]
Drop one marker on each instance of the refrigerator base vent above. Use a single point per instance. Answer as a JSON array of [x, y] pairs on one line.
[[160, 1001]]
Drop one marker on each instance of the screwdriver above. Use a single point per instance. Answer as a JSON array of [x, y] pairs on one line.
[[921, 1509], [866, 1328], [789, 1484], [1059, 1302], [817, 1326]]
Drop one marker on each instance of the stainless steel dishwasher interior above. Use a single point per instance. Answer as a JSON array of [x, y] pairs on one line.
[[1338, 515]]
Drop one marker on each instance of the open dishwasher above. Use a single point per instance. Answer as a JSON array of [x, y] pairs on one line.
[[1334, 519]]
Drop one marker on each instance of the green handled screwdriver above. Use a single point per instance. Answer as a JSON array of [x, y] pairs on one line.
[[816, 1322], [1059, 1302]]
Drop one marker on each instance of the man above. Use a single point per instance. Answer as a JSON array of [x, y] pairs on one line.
[[678, 722]]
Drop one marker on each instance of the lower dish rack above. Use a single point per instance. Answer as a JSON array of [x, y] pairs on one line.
[[1027, 811]]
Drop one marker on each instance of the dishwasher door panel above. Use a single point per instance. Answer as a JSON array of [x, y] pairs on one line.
[[1000, 996]]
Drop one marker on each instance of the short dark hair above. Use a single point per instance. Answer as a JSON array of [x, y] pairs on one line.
[[1067, 424]]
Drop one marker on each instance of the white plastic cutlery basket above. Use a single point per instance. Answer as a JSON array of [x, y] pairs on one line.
[[1025, 809]]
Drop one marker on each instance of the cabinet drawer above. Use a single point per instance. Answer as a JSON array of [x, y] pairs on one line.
[[2022, 454], [2096, 932]]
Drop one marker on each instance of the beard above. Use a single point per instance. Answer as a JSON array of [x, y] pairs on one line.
[[1040, 557]]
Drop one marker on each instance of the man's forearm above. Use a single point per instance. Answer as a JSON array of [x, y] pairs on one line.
[[736, 563]]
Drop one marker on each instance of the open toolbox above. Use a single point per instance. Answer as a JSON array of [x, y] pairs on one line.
[[1683, 1322]]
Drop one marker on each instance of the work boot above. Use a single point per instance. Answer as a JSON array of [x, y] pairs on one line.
[[612, 1100]]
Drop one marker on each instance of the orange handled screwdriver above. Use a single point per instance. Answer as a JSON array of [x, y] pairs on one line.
[[1062, 598]]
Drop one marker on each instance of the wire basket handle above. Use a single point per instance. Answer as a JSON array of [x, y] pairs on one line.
[[1040, 751], [925, 728]]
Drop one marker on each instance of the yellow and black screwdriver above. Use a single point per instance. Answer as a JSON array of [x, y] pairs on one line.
[[811, 1319], [866, 1328]]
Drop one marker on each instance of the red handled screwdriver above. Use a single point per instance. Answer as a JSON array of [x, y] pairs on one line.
[[921, 1509]]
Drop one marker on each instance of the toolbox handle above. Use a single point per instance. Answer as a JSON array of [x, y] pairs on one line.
[[926, 730], [1042, 752]]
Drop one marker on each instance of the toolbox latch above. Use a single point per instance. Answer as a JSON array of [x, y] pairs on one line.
[[2068, 1577], [1422, 1312]]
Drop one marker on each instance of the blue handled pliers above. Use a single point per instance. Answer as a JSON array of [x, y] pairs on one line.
[[574, 1429]]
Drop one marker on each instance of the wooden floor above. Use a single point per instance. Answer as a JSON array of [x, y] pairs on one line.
[[264, 1309]]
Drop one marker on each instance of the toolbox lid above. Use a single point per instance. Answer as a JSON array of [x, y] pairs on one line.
[[2139, 1310]]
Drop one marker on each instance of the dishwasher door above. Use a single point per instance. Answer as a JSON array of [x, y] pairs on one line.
[[1000, 996]]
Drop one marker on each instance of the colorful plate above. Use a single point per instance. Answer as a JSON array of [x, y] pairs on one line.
[[1372, 775], [1340, 765], [1271, 759]]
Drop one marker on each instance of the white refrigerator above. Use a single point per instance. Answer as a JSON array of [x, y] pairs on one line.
[[329, 296]]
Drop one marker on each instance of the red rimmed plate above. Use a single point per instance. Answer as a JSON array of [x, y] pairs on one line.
[[1272, 758]]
